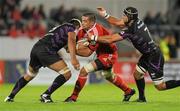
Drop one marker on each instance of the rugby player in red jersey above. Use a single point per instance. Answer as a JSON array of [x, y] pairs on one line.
[[106, 57]]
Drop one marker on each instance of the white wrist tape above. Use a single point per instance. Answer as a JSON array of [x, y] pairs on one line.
[[94, 38], [106, 16]]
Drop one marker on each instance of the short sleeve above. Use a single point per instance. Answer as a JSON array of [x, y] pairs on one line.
[[71, 29], [124, 35]]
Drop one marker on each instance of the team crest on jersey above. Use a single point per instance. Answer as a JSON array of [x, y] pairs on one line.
[[122, 32]]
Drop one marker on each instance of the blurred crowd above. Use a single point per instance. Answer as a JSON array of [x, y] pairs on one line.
[[166, 37], [31, 21]]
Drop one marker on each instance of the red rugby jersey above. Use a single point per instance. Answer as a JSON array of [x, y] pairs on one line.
[[100, 48]]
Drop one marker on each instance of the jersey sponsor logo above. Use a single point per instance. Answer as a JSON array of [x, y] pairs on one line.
[[122, 32], [140, 25], [138, 21], [151, 42]]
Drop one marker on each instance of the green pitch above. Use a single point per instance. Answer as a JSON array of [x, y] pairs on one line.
[[103, 97]]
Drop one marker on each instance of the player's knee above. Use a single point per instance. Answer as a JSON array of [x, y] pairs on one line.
[[83, 72], [87, 69], [31, 73], [161, 86], [137, 75], [65, 72], [27, 77], [108, 74], [139, 72], [68, 75]]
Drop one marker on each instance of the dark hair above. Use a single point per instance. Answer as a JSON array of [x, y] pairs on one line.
[[91, 16], [75, 22]]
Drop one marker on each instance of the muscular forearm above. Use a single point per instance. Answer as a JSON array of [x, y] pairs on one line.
[[105, 39], [114, 21], [72, 51], [72, 45]]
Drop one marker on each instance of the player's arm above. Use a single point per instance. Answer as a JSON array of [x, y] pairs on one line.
[[112, 20], [82, 49], [84, 52], [72, 49], [105, 39]]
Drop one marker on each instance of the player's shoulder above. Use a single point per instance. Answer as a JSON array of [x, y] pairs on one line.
[[102, 28], [66, 24], [81, 31], [99, 26], [140, 24]]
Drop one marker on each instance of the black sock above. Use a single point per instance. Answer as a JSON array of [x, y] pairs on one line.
[[172, 84], [141, 86], [59, 81], [18, 86]]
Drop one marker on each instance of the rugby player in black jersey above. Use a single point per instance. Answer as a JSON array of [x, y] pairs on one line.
[[44, 54], [151, 61]]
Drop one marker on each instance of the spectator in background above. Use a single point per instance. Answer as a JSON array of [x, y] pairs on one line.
[[172, 46], [71, 13], [159, 19], [164, 47], [10, 3], [27, 12], [30, 29], [16, 14], [14, 31], [57, 15], [3, 27], [178, 20], [149, 19], [41, 11], [41, 29], [36, 16]]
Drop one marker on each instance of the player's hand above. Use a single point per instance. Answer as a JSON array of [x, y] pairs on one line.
[[83, 41], [89, 36], [92, 38], [75, 64], [102, 12]]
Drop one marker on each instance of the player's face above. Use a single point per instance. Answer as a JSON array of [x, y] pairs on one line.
[[86, 23], [124, 18]]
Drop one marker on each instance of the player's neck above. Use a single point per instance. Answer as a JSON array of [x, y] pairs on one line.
[[91, 27]]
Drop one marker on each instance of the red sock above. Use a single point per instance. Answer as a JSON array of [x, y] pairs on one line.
[[117, 81], [78, 86]]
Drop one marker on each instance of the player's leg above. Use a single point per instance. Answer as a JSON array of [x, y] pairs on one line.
[[21, 83], [105, 63], [64, 75], [90, 67], [118, 82], [165, 85], [156, 73], [33, 69], [160, 84], [139, 78]]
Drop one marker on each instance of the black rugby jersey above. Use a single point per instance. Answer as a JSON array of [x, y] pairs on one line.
[[57, 37], [140, 37]]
